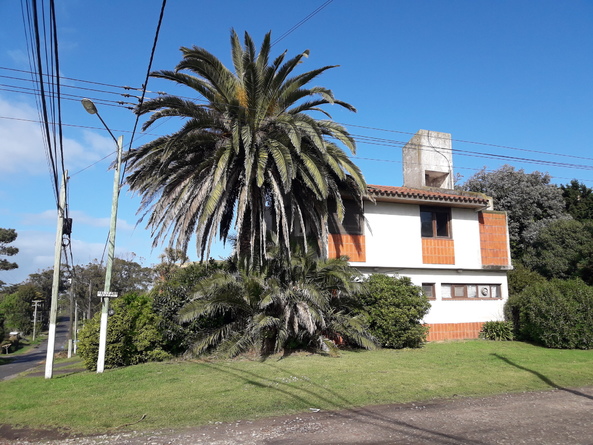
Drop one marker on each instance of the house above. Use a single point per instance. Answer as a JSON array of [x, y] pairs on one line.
[[451, 243]]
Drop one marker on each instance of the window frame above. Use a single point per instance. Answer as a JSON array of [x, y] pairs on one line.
[[493, 289], [432, 287], [353, 222], [434, 211]]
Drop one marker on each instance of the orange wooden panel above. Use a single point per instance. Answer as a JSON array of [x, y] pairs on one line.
[[494, 239], [453, 331], [438, 251], [352, 246]]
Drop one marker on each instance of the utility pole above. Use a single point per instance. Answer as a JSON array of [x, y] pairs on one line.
[[35, 305], [75, 326], [90, 107], [53, 313], [109, 266], [70, 318]]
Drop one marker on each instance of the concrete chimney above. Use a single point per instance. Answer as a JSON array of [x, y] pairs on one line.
[[428, 160]]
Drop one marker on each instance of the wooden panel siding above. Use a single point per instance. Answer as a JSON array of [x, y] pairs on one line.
[[493, 239], [453, 331], [352, 246], [438, 251]]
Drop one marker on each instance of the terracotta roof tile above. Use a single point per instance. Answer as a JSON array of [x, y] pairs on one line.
[[429, 195]]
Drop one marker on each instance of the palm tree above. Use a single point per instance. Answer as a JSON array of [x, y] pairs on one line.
[[250, 159], [306, 304]]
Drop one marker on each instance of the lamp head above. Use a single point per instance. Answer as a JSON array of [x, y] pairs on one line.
[[89, 106]]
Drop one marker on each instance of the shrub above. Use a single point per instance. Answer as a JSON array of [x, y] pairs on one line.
[[171, 295], [497, 330], [132, 335], [555, 314], [395, 308]]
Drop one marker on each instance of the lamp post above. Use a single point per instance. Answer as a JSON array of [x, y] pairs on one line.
[[89, 106]]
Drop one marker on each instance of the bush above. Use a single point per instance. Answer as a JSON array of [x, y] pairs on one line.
[[395, 309], [555, 314], [497, 330], [132, 335], [171, 295]]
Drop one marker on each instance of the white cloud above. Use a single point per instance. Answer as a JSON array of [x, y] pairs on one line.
[[37, 249], [23, 149], [20, 140], [80, 218]]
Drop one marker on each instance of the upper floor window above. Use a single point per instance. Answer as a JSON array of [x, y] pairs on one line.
[[435, 222], [352, 224]]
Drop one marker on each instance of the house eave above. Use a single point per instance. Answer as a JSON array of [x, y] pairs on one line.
[[428, 196]]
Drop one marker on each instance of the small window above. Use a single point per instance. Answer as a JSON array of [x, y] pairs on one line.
[[470, 291], [352, 224], [435, 222], [428, 290], [459, 291]]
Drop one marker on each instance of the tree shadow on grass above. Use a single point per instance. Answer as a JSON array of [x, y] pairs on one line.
[[340, 406], [542, 377]]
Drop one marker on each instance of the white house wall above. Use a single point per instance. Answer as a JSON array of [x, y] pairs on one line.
[[392, 236], [394, 247]]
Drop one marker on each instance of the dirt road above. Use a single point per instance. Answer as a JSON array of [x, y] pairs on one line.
[[562, 416]]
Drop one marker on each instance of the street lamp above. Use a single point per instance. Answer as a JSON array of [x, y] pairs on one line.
[[90, 107]]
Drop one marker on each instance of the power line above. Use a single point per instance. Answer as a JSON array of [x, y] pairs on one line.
[[302, 22], [472, 142], [145, 84], [77, 80]]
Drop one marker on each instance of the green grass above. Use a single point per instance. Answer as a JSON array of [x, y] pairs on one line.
[[179, 394]]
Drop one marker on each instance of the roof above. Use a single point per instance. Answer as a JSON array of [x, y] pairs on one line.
[[432, 196]]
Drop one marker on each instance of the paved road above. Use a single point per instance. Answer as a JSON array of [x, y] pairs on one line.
[[37, 355]]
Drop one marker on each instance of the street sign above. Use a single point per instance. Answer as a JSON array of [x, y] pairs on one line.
[[104, 294]]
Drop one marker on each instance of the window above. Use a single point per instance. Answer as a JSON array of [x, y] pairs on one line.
[[435, 222], [428, 290], [470, 291], [352, 224]]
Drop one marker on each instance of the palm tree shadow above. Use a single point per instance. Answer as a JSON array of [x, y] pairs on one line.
[[342, 407], [542, 377]]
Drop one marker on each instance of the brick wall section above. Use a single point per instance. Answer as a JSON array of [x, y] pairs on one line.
[[438, 251], [353, 246], [453, 331], [494, 239]]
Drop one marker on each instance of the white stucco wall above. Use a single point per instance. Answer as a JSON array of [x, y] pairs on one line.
[[458, 311], [394, 246], [392, 237]]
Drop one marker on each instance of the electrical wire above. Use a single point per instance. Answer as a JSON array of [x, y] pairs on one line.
[[302, 22], [145, 84]]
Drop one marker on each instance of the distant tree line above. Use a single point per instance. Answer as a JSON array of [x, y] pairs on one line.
[[551, 239]]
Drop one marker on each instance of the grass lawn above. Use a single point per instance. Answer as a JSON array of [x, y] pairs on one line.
[[178, 394]]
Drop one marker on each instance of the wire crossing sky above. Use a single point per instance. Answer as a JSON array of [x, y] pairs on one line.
[[510, 80]]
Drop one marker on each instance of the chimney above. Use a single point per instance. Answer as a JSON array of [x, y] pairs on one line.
[[428, 160]]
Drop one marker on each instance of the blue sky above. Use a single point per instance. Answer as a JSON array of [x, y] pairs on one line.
[[514, 73]]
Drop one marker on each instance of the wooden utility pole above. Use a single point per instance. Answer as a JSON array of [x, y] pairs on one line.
[[35, 305], [53, 313]]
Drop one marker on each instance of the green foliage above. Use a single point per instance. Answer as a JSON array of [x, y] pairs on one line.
[[578, 199], [280, 306], [126, 276], [563, 249], [17, 309], [7, 236], [556, 314], [497, 330], [520, 277], [529, 199], [248, 158], [171, 295], [132, 334], [395, 309]]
